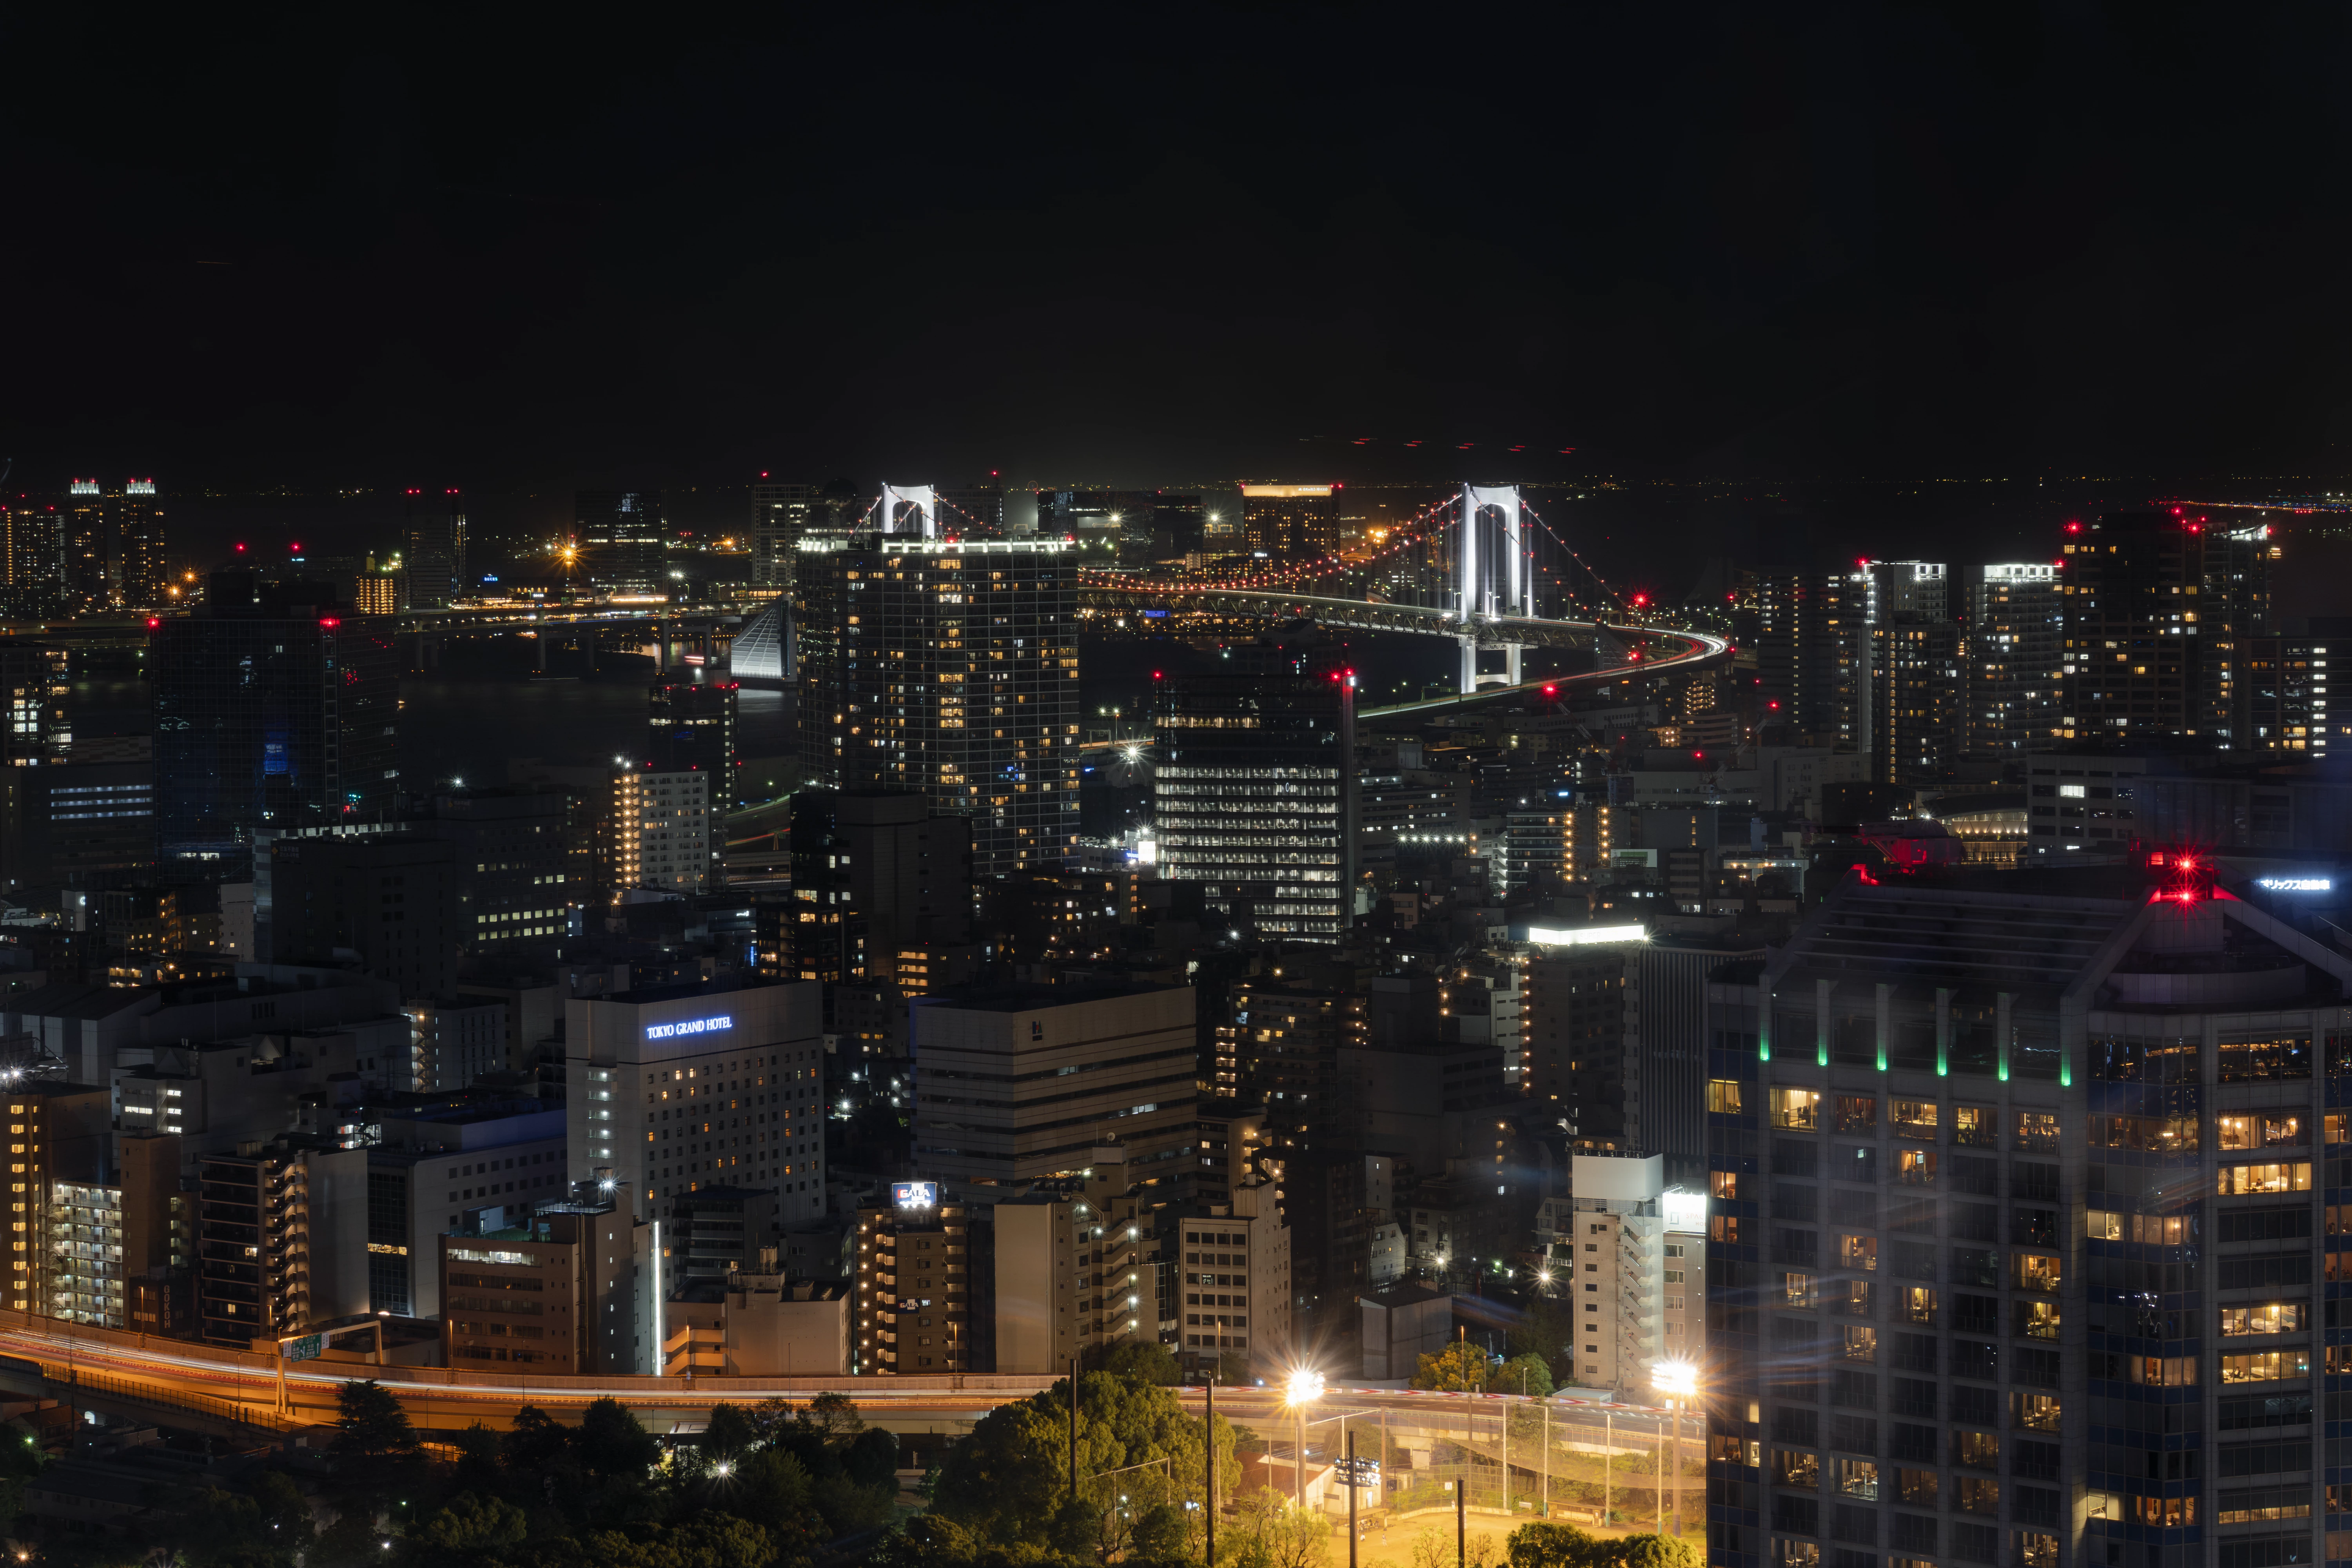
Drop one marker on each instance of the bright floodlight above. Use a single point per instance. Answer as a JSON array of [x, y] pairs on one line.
[[1675, 1379], [1306, 1387], [1543, 1277]]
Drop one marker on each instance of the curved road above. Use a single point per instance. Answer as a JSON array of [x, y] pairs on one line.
[[112, 1365]]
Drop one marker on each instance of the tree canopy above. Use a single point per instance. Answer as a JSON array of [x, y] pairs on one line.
[[1461, 1368], [1010, 1478]]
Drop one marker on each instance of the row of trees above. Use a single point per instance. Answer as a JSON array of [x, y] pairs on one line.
[[763, 1487]]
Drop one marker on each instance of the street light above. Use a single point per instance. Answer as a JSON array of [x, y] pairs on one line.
[[1678, 1381], [1305, 1388]]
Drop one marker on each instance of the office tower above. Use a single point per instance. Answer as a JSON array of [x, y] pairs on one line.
[[2014, 657], [1291, 522], [58, 1133], [2282, 697], [572, 1291], [918, 1262], [622, 539], [518, 881], [1078, 1069], [2155, 605], [32, 559], [1914, 1104], [670, 1089], [1918, 700], [1666, 980], [390, 899], [456, 1164], [690, 726], [949, 670], [658, 834], [782, 514], [1575, 1027], [281, 1244], [1254, 796], [1178, 523], [274, 707], [875, 878], [432, 548]]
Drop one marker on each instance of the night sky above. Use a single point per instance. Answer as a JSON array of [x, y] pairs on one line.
[[1203, 242]]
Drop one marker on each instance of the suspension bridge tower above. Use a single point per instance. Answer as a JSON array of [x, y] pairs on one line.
[[1494, 577]]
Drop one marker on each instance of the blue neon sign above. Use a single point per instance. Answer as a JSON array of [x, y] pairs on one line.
[[691, 1026]]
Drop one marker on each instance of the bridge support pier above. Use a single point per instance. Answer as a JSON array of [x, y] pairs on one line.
[[1469, 674], [1511, 652]]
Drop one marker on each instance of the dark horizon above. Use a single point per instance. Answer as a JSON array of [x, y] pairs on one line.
[[1666, 245]]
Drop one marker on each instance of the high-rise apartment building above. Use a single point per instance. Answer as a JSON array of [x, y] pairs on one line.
[[281, 1240], [781, 515], [670, 1088], [1575, 1027], [623, 538], [113, 546], [877, 879], [2157, 605], [1075, 1070], [114, 1233], [1919, 716], [1254, 796], [32, 559], [690, 725], [57, 1133], [1610, 1267], [922, 1269], [1282, 1049], [275, 706], [951, 670], [658, 832], [2015, 656], [1291, 522], [2283, 697], [2019, 1248]]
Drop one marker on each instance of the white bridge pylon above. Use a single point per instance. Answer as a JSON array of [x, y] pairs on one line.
[[922, 519], [1491, 577]]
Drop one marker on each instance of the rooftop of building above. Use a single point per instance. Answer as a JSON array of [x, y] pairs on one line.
[[1020, 997]]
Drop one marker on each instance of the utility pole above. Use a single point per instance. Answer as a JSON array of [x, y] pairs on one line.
[[1608, 1462], [1209, 1445], [1462, 1516], [1074, 1428], [1352, 1480]]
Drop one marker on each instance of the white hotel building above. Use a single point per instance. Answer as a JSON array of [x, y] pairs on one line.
[[671, 1089]]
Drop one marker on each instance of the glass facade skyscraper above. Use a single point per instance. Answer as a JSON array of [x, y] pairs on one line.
[[1254, 796], [275, 707]]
